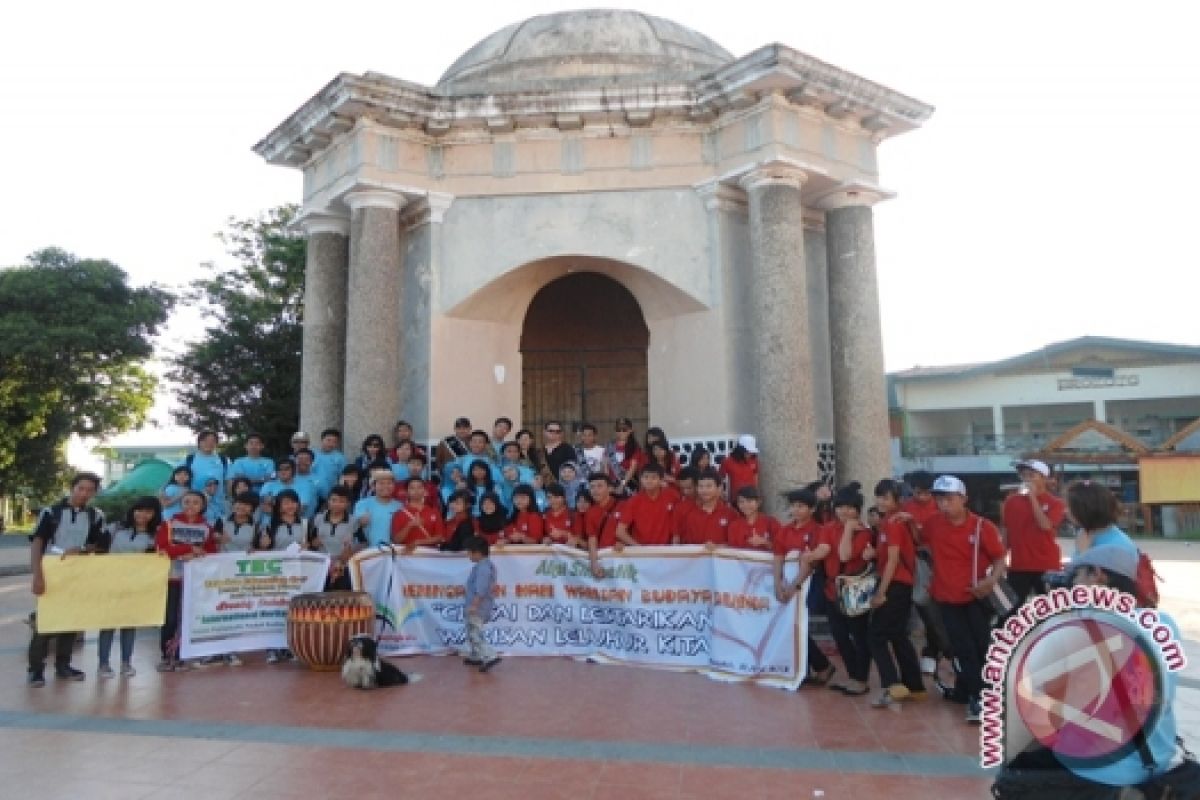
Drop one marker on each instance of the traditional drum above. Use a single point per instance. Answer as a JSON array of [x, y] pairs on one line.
[[320, 625]]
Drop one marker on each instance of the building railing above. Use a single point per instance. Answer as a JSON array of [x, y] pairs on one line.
[[1010, 444]]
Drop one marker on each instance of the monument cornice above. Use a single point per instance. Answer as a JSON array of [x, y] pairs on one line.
[[774, 69]]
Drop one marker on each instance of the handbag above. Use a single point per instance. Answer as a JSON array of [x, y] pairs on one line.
[[854, 592], [1002, 599]]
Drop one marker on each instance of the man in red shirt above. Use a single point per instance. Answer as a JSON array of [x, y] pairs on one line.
[[891, 606], [921, 507], [740, 467], [752, 530], [964, 545], [803, 533], [416, 524], [1031, 518], [599, 522], [708, 523], [645, 518], [686, 483]]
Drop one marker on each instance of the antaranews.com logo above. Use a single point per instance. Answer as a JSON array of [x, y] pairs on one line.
[[1083, 669]]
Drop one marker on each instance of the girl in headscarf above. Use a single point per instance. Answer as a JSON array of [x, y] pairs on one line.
[[492, 518]]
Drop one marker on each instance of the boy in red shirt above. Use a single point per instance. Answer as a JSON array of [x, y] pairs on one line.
[[708, 523], [920, 508], [645, 518], [185, 536], [686, 484], [1031, 518], [803, 533], [964, 546], [599, 521], [416, 524], [895, 555], [752, 531]]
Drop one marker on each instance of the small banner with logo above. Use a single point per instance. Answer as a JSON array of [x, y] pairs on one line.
[[234, 602], [680, 608]]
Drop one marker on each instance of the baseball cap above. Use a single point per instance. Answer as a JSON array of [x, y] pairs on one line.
[[1120, 560], [948, 484], [1037, 466], [299, 436], [749, 442]]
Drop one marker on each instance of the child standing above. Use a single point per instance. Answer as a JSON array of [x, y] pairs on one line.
[[480, 584], [135, 535], [171, 496], [185, 536]]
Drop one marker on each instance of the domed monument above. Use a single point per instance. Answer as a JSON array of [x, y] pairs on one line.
[[598, 214]]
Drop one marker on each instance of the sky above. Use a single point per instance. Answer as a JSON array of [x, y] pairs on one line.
[[1049, 197]]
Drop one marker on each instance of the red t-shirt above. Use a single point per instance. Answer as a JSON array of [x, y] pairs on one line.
[[834, 565], [600, 523], [679, 516], [427, 518], [792, 537], [648, 518], [561, 521], [921, 512], [894, 533], [1032, 549], [741, 530], [528, 524], [702, 527], [952, 547], [739, 474]]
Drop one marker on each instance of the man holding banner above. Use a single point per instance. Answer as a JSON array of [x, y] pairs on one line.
[[69, 527]]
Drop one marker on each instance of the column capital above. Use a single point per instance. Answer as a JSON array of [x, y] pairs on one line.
[[849, 195], [776, 173], [720, 196], [439, 204], [315, 222], [375, 198]]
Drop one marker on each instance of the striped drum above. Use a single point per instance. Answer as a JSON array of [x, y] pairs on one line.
[[321, 623]]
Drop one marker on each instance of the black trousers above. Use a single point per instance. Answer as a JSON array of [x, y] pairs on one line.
[[937, 642], [970, 630], [887, 634], [817, 661], [39, 646], [850, 636], [1026, 584], [168, 636]]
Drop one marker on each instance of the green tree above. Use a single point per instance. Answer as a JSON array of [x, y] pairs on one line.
[[243, 376], [74, 337]]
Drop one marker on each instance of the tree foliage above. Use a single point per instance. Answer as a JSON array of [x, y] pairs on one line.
[[74, 337], [244, 374]]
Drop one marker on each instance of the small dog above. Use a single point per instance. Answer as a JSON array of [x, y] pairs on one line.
[[364, 669]]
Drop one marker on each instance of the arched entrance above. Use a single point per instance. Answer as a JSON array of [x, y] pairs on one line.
[[583, 353]]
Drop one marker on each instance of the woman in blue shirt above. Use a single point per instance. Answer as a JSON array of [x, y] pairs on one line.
[[1096, 510]]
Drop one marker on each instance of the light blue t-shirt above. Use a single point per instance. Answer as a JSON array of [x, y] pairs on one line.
[[174, 494], [1112, 536], [319, 488], [379, 528], [215, 510], [328, 467], [1130, 771], [205, 467], [256, 470], [304, 488]]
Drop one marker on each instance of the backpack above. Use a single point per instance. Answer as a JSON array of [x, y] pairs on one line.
[[94, 516], [1147, 581]]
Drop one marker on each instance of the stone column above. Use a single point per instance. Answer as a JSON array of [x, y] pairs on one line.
[[373, 324], [782, 393], [323, 364], [862, 433]]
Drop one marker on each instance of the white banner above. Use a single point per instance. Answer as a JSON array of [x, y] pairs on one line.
[[234, 602], [668, 607]]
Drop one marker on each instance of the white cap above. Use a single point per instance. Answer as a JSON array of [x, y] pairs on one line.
[[948, 484], [1036, 466], [749, 442]]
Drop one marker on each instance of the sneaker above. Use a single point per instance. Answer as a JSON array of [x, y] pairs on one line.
[[36, 680], [69, 673], [473, 662], [898, 691], [884, 700], [127, 671], [166, 665], [928, 666], [272, 657], [487, 665], [974, 713], [233, 660], [105, 671]]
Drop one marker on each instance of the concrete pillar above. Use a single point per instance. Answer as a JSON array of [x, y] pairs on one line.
[[782, 394], [863, 437], [998, 426], [373, 324], [323, 363], [1099, 409]]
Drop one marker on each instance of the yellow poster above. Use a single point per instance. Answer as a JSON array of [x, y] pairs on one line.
[[1169, 479], [88, 593]]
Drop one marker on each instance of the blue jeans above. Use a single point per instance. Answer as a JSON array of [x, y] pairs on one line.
[[104, 646]]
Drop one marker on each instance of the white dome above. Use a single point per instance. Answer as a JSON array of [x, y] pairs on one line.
[[582, 48]]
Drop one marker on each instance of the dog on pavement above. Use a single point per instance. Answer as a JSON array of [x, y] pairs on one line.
[[364, 669]]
